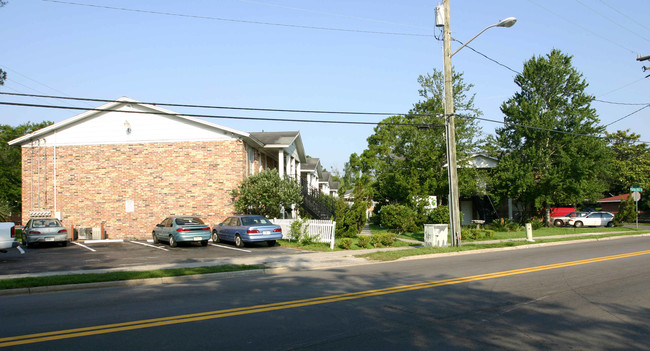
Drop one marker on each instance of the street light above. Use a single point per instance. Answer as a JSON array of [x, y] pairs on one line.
[[452, 173]]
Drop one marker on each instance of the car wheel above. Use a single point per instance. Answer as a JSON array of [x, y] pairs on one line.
[[238, 241], [154, 237], [64, 244], [204, 243], [610, 224], [578, 224], [172, 241], [558, 223], [271, 243], [215, 237]]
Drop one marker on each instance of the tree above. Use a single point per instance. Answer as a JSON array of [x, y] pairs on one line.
[[10, 162], [351, 220], [264, 194], [630, 164], [406, 155], [550, 144]]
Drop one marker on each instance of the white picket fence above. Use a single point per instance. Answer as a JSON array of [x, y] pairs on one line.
[[322, 230]]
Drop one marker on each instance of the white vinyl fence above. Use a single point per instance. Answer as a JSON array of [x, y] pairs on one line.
[[321, 230]]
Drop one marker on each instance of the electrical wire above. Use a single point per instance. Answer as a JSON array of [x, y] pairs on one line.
[[583, 27], [241, 21], [611, 20], [219, 107], [214, 116], [418, 125]]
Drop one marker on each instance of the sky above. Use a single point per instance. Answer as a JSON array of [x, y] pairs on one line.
[[359, 55]]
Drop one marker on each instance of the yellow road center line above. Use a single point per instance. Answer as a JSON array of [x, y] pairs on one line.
[[156, 322]]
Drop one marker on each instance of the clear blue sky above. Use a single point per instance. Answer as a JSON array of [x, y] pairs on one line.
[[54, 48]]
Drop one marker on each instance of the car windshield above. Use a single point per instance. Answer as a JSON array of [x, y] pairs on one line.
[[255, 221], [188, 221], [46, 223]]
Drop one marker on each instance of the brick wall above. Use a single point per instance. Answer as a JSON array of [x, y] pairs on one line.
[[95, 182]]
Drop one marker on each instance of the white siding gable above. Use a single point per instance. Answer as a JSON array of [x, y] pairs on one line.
[[127, 126]]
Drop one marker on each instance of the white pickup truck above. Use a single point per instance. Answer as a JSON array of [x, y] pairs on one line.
[[7, 236]]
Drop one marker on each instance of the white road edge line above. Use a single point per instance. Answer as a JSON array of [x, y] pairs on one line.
[[22, 252], [155, 247], [84, 246], [228, 247]]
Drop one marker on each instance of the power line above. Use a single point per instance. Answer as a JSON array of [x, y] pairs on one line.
[[212, 116], [218, 107], [628, 115], [611, 20], [241, 21], [419, 125], [583, 27], [624, 15], [621, 103]]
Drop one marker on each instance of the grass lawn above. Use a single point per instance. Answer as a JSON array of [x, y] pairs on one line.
[[419, 236], [31, 282], [396, 254]]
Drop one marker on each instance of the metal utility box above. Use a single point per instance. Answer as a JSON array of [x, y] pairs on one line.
[[436, 235], [97, 233]]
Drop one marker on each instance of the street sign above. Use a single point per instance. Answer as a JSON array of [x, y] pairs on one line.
[[636, 196], [636, 189]]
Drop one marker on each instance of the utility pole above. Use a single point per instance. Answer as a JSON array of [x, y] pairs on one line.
[[452, 172]]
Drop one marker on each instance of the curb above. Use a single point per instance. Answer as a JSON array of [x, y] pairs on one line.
[[142, 282]]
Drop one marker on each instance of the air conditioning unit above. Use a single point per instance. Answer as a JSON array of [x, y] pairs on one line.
[[85, 233], [97, 233]]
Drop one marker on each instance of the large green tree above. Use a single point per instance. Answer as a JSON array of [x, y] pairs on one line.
[[10, 163], [630, 164], [551, 149], [406, 155], [265, 193]]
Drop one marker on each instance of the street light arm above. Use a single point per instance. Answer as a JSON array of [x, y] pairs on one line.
[[474, 37], [506, 22]]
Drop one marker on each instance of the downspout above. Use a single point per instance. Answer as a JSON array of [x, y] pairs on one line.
[[55, 180]]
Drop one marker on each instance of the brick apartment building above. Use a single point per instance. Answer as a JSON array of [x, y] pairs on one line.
[[127, 165]]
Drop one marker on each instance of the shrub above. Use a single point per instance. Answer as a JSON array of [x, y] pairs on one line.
[[626, 211], [504, 225], [295, 232], [375, 240], [399, 218], [439, 215], [387, 239], [477, 234], [363, 241], [345, 243]]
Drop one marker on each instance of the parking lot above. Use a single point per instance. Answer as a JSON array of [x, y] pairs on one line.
[[91, 255]]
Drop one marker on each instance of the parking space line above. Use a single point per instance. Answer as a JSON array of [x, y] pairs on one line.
[[22, 252], [155, 247], [84, 246], [228, 247]]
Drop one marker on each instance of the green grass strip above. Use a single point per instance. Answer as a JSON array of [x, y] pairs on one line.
[[397, 254], [31, 282]]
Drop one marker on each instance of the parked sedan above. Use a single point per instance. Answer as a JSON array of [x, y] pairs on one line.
[[44, 230], [245, 229], [181, 229], [593, 219]]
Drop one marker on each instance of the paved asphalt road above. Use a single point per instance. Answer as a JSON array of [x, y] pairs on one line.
[[586, 296]]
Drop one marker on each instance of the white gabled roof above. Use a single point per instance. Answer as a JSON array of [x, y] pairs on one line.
[[111, 106]]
